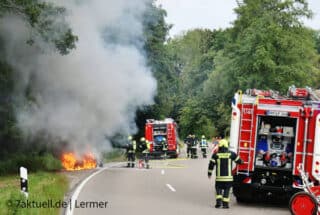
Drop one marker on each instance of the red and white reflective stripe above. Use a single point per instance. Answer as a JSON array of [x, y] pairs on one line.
[[247, 180]]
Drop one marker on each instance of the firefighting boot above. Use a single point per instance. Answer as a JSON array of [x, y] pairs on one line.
[[225, 205], [218, 203]]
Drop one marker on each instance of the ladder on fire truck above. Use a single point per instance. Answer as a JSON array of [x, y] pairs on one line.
[[245, 139]]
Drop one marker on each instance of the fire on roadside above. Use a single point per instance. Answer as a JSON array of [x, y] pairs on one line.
[[70, 161]]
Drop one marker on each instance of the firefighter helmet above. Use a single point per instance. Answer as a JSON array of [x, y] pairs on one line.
[[203, 137], [223, 143], [142, 139], [129, 137]]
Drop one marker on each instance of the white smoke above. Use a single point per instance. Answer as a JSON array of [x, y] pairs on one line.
[[94, 91]]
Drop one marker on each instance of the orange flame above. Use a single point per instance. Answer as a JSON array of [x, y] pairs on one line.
[[70, 161]]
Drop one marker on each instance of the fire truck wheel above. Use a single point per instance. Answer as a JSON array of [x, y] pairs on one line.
[[303, 203]]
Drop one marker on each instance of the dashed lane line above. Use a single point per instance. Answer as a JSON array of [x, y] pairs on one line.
[[171, 188]]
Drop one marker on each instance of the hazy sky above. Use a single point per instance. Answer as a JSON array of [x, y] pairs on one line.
[[213, 14]]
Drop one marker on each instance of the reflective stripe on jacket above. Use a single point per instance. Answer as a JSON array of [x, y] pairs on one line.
[[147, 149], [203, 143], [223, 160]]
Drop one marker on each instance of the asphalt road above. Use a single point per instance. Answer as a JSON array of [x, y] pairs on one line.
[[177, 186]]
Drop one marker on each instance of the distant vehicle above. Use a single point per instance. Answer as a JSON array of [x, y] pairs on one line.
[[156, 130], [275, 135]]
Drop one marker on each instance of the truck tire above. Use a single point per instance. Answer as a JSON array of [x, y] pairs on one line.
[[303, 203]]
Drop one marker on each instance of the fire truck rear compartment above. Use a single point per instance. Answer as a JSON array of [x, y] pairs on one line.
[[275, 141], [159, 132], [272, 176]]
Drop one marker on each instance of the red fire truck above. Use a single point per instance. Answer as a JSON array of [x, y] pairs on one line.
[[276, 136], [156, 130]]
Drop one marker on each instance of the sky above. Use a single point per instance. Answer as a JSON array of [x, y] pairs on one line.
[[213, 14]]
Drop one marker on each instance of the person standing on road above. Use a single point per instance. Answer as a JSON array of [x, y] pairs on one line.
[[131, 152], [145, 147], [223, 160], [187, 142], [203, 146], [194, 143], [164, 144]]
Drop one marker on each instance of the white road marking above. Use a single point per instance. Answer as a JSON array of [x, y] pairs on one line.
[[69, 210], [171, 188], [162, 172]]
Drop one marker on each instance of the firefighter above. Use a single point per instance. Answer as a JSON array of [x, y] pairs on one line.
[[164, 147], [222, 159], [145, 148], [203, 146], [194, 143], [131, 152], [187, 141]]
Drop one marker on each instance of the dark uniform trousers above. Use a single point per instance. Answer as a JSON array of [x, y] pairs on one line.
[[131, 153]]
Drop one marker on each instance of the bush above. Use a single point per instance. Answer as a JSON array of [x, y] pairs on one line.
[[50, 163], [46, 162]]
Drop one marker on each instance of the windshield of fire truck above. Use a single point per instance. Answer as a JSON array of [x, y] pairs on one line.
[[159, 129]]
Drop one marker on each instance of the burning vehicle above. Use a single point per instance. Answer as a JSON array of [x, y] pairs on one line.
[[72, 161]]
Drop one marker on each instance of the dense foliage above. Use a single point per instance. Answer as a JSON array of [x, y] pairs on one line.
[[46, 23]]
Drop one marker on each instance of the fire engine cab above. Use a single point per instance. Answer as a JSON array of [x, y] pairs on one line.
[[158, 130], [274, 135]]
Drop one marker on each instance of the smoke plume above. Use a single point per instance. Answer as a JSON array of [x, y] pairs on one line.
[[94, 91]]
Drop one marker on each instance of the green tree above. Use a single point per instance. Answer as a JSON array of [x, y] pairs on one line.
[[272, 49], [46, 23], [10, 135], [268, 48], [44, 19], [196, 53], [155, 36]]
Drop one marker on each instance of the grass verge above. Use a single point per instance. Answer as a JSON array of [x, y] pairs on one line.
[[43, 187]]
